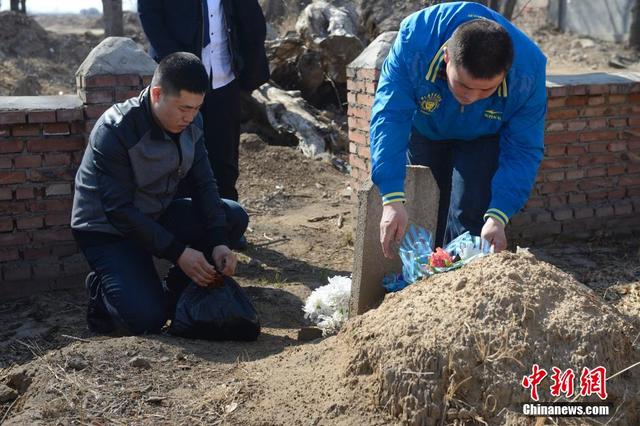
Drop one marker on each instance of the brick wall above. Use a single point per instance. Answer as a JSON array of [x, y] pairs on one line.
[[42, 140], [588, 184], [41, 144]]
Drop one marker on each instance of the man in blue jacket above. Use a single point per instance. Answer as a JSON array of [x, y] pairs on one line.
[[125, 209], [228, 36], [462, 92]]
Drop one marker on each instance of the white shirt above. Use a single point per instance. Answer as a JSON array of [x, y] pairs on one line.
[[215, 55]]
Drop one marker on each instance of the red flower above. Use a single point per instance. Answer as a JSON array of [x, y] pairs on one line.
[[440, 259]]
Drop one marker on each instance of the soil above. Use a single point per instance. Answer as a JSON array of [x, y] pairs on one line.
[[478, 329]]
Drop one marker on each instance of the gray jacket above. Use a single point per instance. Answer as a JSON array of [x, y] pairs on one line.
[[130, 173]]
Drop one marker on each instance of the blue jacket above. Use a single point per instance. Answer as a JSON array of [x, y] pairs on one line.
[[413, 93]]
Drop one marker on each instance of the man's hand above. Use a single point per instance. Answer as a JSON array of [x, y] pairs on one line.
[[493, 231], [193, 263], [225, 260], [392, 226]]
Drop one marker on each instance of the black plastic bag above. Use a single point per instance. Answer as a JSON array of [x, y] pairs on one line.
[[222, 313]]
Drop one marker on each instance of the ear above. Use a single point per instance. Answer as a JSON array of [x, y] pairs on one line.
[[156, 93], [446, 55]]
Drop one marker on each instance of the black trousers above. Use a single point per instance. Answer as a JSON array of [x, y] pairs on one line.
[[221, 116]]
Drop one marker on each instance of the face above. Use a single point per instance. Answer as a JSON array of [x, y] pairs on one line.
[[175, 112], [467, 89]]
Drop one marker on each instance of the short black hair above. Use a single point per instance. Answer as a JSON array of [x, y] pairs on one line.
[[180, 71], [482, 47]]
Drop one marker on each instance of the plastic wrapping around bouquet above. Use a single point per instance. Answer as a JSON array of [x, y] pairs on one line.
[[221, 313], [419, 259]]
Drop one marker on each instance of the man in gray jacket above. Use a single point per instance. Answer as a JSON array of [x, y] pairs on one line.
[[141, 154]]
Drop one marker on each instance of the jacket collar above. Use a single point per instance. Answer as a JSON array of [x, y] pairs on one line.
[[155, 130]]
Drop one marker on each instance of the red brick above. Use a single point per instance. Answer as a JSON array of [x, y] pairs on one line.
[[24, 194], [575, 174], [605, 135], [26, 130], [558, 163], [41, 116], [617, 99], [12, 177], [6, 224], [10, 145], [13, 117], [557, 200], [618, 122], [8, 255], [358, 123], [597, 147], [555, 176], [364, 152], [576, 101], [69, 115], [596, 100], [6, 194], [27, 161], [617, 194], [65, 249], [99, 81], [36, 253], [583, 212], [617, 146], [370, 87], [633, 98], [559, 91], [576, 125], [577, 199], [604, 211], [58, 189], [364, 99], [616, 170], [634, 121], [57, 159], [598, 111], [13, 239], [368, 73], [558, 187], [575, 150], [5, 131], [563, 214], [363, 113], [56, 129], [555, 150], [556, 102], [55, 219], [355, 85], [30, 222], [5, 163], [357, 162], [53, 235], [596, 172], [560, 138], [73, 143], [358, 137], [562, 114], [556, 126], [351, 99], [128, 80], [630, 133], [535, 202], [598, 89], [101, 96], [353, 148], [630, 180], [597, 123], [51, 174], [623, 209], [597, 159], [54, 205], [96, 110], [49, 268], [122, 94], [596, 196], [597, 183]]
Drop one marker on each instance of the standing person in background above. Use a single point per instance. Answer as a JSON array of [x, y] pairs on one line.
[[228, 36]]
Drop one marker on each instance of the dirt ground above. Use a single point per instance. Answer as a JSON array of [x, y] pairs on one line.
[[301, 233]]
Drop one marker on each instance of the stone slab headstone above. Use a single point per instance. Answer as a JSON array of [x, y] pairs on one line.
[[370, 265]]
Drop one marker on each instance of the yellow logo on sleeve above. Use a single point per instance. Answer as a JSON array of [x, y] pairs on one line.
[[430, 102]]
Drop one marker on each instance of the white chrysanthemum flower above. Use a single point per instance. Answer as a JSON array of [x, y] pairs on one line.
[[328, 306]]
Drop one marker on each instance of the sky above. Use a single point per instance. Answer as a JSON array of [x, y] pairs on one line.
[[66, 6]]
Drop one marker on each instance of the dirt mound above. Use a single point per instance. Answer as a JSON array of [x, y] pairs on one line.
[[20, 35], [459, 344]]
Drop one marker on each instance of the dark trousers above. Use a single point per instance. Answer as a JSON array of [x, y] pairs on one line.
[[463, 171], [129, 287], [221, 116]]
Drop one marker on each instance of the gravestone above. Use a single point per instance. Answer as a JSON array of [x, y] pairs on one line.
[[370, 265]]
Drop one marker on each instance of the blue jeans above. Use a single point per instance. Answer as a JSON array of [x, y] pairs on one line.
[[128, 287], [463, 171]]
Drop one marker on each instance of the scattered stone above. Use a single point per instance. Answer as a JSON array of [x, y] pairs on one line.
[[7, 394], [77, 363], [306, 334], [140, 362]]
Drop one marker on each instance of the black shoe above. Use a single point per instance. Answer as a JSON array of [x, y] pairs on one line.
[[98, 318], [241, 244]]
